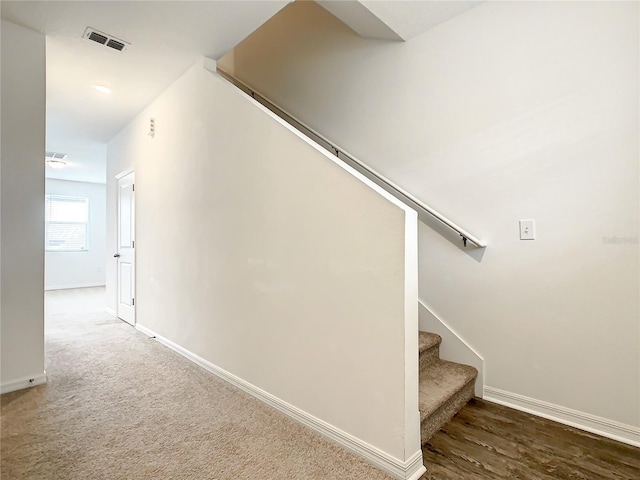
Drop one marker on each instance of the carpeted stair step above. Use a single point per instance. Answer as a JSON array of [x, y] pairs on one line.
[[428, 348], [445, 387]]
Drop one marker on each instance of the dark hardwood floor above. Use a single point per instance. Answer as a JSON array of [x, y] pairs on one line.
[[488, 441]]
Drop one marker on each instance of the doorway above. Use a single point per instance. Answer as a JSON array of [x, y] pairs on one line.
[[126, 243]]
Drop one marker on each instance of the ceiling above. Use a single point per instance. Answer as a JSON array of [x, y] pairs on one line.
[[395, 19], [165, 39]]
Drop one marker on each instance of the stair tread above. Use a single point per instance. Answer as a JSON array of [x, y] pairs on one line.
[[440, 382], [426, 340]]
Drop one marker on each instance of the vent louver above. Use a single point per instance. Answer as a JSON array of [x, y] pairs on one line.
[[55, 155], [105, 39], [96, 37], [116, 45]]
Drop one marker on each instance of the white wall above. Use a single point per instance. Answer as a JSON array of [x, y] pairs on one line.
[[79, 269], [256, 252], [22, 205], [513, 110]]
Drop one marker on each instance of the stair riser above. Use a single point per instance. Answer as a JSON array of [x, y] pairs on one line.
[[428, 357], [440, 417]]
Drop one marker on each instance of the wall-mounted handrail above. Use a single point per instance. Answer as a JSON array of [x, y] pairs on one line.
[[367, 171]]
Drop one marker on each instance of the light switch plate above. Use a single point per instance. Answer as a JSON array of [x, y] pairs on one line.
[[527, 230]]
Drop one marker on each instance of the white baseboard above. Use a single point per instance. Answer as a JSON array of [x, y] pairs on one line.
[[68, 287], [22, 383], [111, 312], [411, 469], [584, 421]]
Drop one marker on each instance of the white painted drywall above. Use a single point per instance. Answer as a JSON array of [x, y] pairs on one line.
[[258, 253], [453, 347], [22, 205], [360, 19], [511, 110], [79, 269]]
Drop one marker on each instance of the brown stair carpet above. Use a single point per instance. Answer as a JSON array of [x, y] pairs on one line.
[[428, 348], [444, 388]]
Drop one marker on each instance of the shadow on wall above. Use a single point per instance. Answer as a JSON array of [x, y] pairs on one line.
[[453, 238]]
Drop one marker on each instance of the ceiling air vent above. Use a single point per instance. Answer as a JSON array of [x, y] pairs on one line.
[[96, 37], [105, 39], [55, 155], [55, 160], [115, 44]]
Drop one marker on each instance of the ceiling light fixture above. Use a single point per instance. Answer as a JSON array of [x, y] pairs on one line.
[[55, 159], [55, 163], [102, 89]]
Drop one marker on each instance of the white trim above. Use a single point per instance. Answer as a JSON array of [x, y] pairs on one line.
[[124, 173], [120, 176], [453, 348], [68, 287], [210, 64], [111, 312], [411, 469], [450, 329], [412, 441], [584, 421], [22, 383], [414, 469]]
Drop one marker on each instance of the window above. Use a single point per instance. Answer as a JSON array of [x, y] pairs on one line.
[[67, 220]]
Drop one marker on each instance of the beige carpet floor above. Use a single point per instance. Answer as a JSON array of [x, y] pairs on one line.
[[121, 406]]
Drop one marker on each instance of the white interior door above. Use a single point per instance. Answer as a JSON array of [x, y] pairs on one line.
[[126, 249]]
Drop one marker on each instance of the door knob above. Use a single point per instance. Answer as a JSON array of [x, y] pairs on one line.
[[116, 255]]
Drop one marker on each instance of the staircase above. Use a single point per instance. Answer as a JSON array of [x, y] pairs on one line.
[[444, 388]]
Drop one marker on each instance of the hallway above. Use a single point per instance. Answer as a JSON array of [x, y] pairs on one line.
[[118, 405]]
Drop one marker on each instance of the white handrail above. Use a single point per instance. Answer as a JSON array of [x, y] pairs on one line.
[[376, 177]]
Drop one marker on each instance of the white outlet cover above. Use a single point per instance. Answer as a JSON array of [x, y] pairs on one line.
[[527, 229]]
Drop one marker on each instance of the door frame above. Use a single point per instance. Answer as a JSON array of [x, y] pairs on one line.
[[119, 176]]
